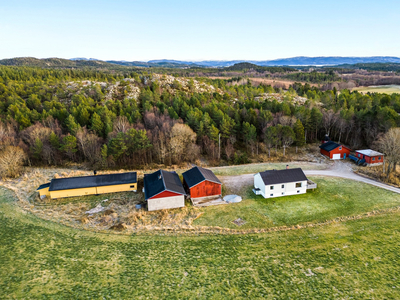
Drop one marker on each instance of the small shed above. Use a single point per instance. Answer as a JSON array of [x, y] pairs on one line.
[[278, 183], [200, 182], [334, 150], [371, 157], [163, 190]]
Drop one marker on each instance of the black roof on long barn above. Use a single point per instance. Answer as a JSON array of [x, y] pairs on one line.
[[197, 174], [160, 181], [282, 176], [71, 183], [329, 146]]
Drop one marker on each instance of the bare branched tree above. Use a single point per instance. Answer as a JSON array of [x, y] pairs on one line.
[[183, 140], [11, 161], [389, 144], [329, 119]]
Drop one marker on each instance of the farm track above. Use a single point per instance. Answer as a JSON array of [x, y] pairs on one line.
[[339, 169]]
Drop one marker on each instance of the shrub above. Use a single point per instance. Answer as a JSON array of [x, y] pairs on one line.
[[11, 161]]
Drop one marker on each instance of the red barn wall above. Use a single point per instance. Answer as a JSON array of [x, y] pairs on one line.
[[165, 194], [368, 159], [336, 151], [324, 152], [204, 189]]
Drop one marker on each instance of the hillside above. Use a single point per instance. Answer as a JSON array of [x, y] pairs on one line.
[[376, 63], [51, 62], [248, 66], [292, 61], [385, 67], [161, 64]]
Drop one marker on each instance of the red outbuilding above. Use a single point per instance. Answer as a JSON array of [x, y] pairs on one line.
[[200, 182], [163, 190], [334, 150], [371, 157]]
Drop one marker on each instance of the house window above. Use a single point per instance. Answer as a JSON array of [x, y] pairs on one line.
[[340, 148], [272, 195], [271, 187], [379, 158], [132, 186], [283, 193], [298, 192], [358, 154], [298, 185], [283, 186], [373, 158]]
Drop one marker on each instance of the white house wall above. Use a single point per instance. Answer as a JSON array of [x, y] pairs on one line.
[[288, 189], [165, 203], [259, 183]]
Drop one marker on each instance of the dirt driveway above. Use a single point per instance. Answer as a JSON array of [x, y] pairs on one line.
[[236, 183]]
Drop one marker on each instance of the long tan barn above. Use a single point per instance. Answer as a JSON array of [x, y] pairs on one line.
[[89, 185]]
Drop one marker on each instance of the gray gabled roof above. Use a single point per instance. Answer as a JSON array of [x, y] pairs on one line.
[[369, 152], [282, 176], [160, 181], [197, 174], [329, 146], [71, 183]]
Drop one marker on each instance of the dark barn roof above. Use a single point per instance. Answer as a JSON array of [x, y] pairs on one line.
[[160, 181], [282, 176], [92, 181], [329, 146], [197, 174], [43, 186]]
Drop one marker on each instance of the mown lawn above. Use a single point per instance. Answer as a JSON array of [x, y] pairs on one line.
[[334, 197], [40, 259]]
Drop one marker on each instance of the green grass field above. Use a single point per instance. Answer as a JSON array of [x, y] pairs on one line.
[[386, 89], [334, 197], [40, 259]]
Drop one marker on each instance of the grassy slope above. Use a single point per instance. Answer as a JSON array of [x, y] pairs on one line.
[[334, 197], [389, 89], [40, 259]]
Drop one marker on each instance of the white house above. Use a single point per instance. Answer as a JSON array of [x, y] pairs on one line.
[[278, 183]]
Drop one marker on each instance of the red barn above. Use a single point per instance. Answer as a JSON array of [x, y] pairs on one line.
[[163, 190], [371, 157], [200, 182], [334, 150]]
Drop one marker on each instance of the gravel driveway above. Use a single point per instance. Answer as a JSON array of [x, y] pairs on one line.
[[344, 170], [339, 169]]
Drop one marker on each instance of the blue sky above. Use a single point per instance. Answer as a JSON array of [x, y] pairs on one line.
[[199, 30]]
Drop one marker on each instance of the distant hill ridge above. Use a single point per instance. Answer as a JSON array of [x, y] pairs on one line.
[[84, 62], [166, 63], [295, 61], [51, 62]]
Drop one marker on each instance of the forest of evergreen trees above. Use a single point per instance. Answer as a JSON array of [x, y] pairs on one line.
[[56, 116]]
